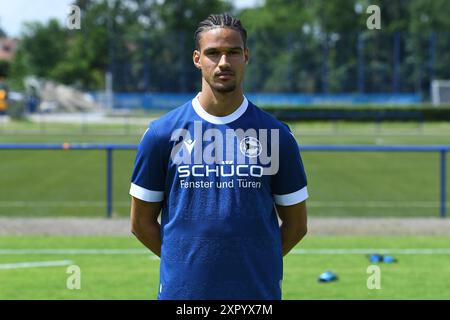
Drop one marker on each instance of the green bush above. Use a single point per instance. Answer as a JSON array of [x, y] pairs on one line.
[[4, 68]]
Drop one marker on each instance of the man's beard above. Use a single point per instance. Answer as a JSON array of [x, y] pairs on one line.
[[222, 87], [225, 89]]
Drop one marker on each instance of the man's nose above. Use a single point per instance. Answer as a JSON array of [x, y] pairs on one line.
[[224, 62]]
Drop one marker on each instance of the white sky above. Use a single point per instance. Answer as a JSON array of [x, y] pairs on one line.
[[14, 12]]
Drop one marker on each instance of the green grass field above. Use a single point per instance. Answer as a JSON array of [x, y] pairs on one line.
[[72, 183], [340, 184], [136, 275]]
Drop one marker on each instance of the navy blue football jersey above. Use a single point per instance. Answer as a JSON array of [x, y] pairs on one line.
[[219, 179]]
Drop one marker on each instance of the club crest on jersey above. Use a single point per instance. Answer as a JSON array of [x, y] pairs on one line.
[[250, 147]]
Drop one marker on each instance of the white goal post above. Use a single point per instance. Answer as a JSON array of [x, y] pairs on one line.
[[440, 92]]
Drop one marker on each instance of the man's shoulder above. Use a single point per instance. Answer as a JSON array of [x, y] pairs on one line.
[[287, 139], [172, 119]]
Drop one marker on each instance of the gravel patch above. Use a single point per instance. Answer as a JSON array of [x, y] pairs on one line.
[[380, 226], [316, 226], [64, 226]]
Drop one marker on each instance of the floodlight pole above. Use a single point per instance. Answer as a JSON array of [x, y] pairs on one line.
[[443, 183], [109, 85]]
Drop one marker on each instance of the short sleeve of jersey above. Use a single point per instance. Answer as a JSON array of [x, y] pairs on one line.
[[289, 183], [148, 177]]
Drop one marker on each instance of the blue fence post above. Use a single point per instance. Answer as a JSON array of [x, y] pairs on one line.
[[109, 182], [443, 183]]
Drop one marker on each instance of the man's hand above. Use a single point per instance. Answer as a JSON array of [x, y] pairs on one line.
[[145, 225], [294, 225]]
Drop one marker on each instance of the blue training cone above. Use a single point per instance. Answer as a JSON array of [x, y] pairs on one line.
[[375, 258], [327, 276], [389, 259]]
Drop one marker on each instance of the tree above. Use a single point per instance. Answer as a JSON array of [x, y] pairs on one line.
[[4, 68], [43, 47], [295, 45]]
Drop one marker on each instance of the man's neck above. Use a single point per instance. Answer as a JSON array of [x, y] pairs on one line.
[[220, 104]]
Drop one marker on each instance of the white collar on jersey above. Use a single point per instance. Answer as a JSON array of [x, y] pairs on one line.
[[219, 120]]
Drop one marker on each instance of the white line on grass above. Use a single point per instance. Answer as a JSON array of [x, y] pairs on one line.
[[294, 251], [74, 251], [35, 264]]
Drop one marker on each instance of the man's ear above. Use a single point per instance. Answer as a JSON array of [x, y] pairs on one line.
[[246, 55], [196, 59]]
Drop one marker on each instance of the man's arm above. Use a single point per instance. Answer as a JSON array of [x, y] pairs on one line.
[[145, 225], [294, 225]]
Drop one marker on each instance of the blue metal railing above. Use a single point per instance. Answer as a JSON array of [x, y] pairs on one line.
[[80, 146], [441, 149]]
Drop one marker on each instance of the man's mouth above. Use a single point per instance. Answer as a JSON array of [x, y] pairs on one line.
[[225, 75]]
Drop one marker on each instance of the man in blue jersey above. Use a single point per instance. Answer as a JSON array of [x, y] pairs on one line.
[[222, 171]]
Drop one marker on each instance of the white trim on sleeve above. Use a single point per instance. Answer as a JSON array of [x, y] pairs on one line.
[[145, 194], [291, 198]]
